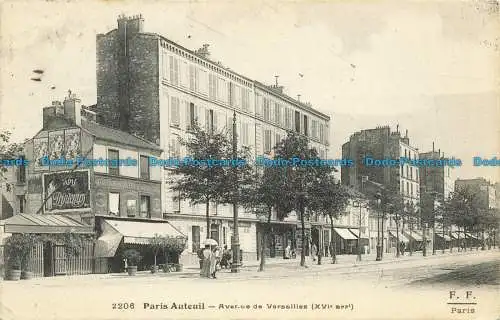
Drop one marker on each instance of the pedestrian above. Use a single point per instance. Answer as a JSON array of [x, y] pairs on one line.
[[224, 263], [287, 252], [314, 251], [214, 262], [207, 256]]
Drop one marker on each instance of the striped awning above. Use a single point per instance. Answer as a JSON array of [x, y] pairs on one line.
[[46, 223], [345, 234], [444, 236], [131, 232], [414, 235], [402, 237]]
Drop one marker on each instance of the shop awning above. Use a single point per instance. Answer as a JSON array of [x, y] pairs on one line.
[[131, 232], [356, 232], [445, 236], [414, 235], [345, 234], [402, 237], [50, 223]]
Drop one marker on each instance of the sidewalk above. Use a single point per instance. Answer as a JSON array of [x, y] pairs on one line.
[[271, 264]]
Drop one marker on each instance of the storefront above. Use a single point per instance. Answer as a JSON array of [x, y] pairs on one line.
[[345, 241], [119, 234], [279, 236]]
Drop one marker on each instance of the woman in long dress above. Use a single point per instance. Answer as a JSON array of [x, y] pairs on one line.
[[213, 262], [207, 257]]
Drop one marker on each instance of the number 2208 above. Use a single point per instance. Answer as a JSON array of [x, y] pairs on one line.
[[123, 306]]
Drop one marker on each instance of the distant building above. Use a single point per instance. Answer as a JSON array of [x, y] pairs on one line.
[[436, 178], [380, 143], [484, 189]]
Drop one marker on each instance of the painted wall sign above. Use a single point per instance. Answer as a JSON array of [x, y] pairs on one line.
[[70, 190]]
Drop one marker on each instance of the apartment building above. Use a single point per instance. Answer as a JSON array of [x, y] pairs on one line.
[[155, 88]]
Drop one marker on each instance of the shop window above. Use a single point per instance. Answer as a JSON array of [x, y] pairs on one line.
[[214, 232], [145, 207], [114, 203]]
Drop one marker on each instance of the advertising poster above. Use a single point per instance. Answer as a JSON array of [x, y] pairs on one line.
[[40, 150], [56, 144], [66, 191], [72, 143]]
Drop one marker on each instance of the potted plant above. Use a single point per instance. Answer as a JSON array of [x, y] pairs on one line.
[[175, 246], [18, 248], [157, 243], [133, 258]]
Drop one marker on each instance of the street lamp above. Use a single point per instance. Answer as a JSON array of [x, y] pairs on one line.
[[379, 247], [358, 245], [235, 243]]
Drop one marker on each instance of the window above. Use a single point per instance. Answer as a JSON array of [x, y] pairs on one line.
[[306, 128], [144, 167], [245, 99], [288, 120], [114, 203], [411, 173], [21, 200], [203, 81], [321, 133], [277, 138], [145, 211], [195, 238], [164, 62], [407, 188], [174, 70], [411, 189], [21, 171], [184, 74], [314, 128], [222, 90], [131, 208], [402, 171], [407, 171], [245, 133], [192, 114], [277, 113], [258, 108], [174, 111], [267, 110], [212, 86], [406, 154], [267, 141], [175, 147], [214, 232], [297, 121], [114, 168]]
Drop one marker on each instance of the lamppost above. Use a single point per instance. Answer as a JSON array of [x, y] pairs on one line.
[[235, 243], [379, 247], [363, 179]]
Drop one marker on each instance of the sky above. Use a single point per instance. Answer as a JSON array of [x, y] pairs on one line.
[[430, 66]]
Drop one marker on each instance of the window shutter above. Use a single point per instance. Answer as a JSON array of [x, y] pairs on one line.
[[188, 114], [191, 77], [216, 126]]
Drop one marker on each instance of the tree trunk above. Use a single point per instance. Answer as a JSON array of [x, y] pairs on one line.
[[207, 213], [397, 236], [333, 247], [303, 234], [411, 239], [402, 232], [433, 237], [155, 259], [264, 241]]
